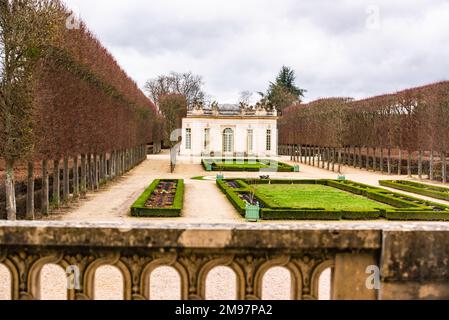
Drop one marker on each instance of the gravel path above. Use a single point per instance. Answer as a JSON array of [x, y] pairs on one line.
[[204, 203]]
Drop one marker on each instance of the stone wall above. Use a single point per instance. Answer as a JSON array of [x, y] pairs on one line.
[[413, 263]]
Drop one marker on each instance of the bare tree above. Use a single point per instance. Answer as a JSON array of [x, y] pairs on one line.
[[186, 84]]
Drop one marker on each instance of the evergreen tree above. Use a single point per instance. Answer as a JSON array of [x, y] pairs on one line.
[[284, 91]]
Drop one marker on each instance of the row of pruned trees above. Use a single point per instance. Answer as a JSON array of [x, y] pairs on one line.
[[408, 130], [65, 105]]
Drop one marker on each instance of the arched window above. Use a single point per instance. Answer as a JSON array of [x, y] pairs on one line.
[[228, 141]]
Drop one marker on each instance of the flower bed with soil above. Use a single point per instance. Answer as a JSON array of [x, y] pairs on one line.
[[327, 200], [163, 198]]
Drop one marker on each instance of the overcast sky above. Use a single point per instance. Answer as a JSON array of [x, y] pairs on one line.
[[350, 48]]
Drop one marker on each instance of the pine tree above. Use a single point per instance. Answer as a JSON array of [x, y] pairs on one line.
[[284, 91]]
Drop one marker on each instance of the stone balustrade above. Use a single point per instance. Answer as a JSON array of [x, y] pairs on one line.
[[414, 263]]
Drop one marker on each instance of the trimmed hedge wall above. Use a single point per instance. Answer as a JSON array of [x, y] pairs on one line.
[[221, 165], [436, 192], [139, 209], [405, 207]]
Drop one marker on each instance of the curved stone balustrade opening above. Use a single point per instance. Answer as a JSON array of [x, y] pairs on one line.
[[221, 284], [165, 284], [53, 282], [5, 283], [108, 283], [277, 284]]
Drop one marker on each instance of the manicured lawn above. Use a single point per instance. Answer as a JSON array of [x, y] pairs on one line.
[[316, 196]]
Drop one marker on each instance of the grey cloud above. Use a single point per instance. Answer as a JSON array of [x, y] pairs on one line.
[[240, 45]]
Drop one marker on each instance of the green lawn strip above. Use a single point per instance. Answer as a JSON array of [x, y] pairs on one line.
[[300, 196], [436, 192], [199, 178], [138, 209], [370, 202]]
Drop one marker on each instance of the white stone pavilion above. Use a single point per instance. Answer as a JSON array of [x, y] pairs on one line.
[[230, 131]]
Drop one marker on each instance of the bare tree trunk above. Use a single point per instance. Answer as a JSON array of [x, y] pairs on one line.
[[121, 161], [118, 155], [312, 150], [360, 158], [420, 156], [389, 161], [309, 161], [400, 163], [112, 165], [374, 160], [10, 192], [409, 164], [105, 167], [30, 192], [83, 175], [443, 167], [318, 154], [96, 182], [45, 193], [102, 169], [76, 188], [65, 180], [381, 164], [116, 163], [328, 160], [345, 156], [367, 159], [56, 200], [339, 160], [431, 166], [90, 175], [323, 157], [333, 159]]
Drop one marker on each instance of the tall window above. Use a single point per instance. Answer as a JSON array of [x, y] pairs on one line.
[[228, 141], [206, 138], [250, 140], [188, 139], [268, 140]]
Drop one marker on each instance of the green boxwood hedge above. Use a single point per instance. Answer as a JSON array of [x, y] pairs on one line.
[[138, 209], [405, 207], [436, 192], [221, 165]]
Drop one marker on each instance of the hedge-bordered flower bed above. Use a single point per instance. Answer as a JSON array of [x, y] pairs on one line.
[[403, 207], [253, 165], [139, 208], [436, 192]]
